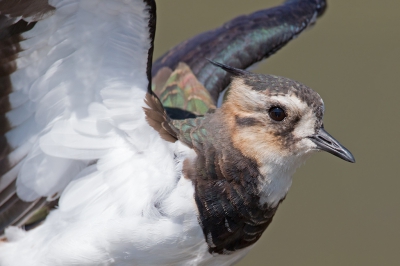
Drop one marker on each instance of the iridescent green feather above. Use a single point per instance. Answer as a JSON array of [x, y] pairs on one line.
[[181, 89], [190, 131]]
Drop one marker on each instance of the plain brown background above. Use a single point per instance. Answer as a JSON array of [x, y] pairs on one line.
[[336, 213]]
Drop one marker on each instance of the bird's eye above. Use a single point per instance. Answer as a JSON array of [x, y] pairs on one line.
[[277, 114]]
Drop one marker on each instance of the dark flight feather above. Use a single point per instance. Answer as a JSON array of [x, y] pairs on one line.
[[152, 9], [242, 42]]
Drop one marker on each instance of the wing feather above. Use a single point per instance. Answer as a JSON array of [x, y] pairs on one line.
[[242, 42], [74, 74]]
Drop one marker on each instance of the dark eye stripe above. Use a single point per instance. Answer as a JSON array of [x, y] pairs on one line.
[[277, 113]]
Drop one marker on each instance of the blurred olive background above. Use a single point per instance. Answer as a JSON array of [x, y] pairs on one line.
[[336, 213]]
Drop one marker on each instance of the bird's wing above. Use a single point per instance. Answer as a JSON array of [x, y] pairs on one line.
[[240, 43], [74, 74]]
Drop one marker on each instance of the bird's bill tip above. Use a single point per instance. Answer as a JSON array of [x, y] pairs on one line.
[[326, 142]]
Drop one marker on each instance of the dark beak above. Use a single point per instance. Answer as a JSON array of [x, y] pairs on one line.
[[326, 142]]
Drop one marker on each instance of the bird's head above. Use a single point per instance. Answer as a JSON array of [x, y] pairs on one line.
[[275, 119]]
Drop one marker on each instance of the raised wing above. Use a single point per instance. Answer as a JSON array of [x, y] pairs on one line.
[[74, 74], [240, 42]]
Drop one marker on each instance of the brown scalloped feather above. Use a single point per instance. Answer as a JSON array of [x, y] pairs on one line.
[[158, 118]]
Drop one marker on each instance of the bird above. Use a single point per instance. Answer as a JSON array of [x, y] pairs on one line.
[[139, 174]]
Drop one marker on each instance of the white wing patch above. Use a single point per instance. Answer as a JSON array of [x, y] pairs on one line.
[[78, 91]]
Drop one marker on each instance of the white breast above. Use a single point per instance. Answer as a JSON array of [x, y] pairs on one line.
[[278, 172]]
